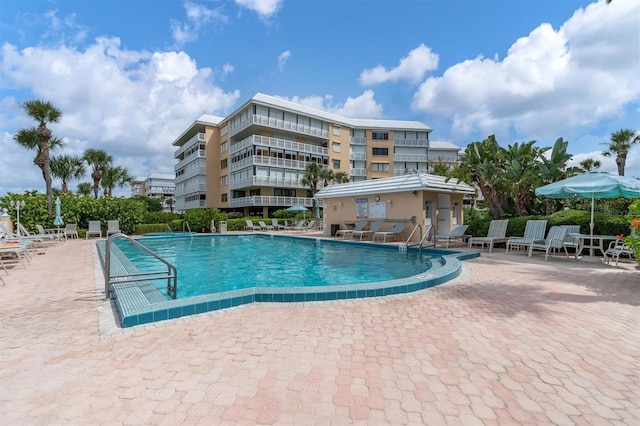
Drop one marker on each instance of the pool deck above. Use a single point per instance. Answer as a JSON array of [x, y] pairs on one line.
[[512, 340]]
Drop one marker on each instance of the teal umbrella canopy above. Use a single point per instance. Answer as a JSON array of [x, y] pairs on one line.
[[58, 219], [298, 208], [592, 185]]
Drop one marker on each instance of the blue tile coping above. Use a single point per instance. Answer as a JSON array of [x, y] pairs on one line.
[[141, 302]]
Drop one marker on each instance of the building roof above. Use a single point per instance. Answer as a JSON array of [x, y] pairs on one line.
[[197, 127], [162, 176], [404, 183], [443, 145]]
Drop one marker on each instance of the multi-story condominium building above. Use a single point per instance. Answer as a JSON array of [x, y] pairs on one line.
[[157, 185], [253, 160]]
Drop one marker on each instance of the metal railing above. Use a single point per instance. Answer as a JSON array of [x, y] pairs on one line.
[[171, 274], [185, 226]]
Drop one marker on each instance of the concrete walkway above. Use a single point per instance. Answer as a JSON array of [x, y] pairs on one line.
[[511, 341]]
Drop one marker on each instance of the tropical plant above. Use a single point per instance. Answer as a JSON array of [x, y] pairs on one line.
[[620, 144], [67, 167], [313, 173], [170, 202], [440, 169], [341, 177], [589, 164], [40, 138], [633, 239], [99, 160], [114, 177], [84, 189], [554, 168], [521, 173]]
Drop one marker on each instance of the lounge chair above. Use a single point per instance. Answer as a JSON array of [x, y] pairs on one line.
[[554, 241], [295, 227], [251, 227], [276, 225], [57, 235], [456, 233], [265, 227], [344, 232], [496, 234], [113, 227], [533, 232], [18, 251], [571, 241], [396, 231], [616, 249], [44, 237], [374, 228], [71, 230], [95, 228], [31, 243]]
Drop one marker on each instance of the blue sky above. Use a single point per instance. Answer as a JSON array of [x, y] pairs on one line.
[[129, 76]]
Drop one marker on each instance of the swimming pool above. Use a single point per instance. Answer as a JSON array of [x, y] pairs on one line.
[[142, 302], [224, 263]]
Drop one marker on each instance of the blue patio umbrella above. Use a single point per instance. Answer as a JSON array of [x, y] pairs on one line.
[[592, 185], [299, 208], [58, 219]]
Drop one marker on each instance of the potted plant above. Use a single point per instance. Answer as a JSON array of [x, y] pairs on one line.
[[633, 239]]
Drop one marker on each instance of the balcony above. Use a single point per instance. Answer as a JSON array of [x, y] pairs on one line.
[[358, 172], [358, 141], [411, 142], [279, 124], [192, 157], [259, 160], [285, 144], [254, 181], [199, 137], [440, 158], [414, 158], [271, 201], [191, 173], [357, 156]]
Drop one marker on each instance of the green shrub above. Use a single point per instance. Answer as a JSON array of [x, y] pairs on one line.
[[145, 228], [199, 220]]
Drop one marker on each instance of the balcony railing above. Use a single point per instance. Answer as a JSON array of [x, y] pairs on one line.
[[420, 158], [358, 156], [411, 142], [401, 172], [193, 157], [358, 141], [439, 158], [253, 181], [259, 160], [198, 137], [191, 189], [191, 173], [358, 172], [274, 201], [279, 124], [278, 143]]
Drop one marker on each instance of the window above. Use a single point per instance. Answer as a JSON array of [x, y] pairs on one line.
[[336, 164], [380, 136], [336, 147], [224, 146], [336, 130], [284, 192], [224, 163], [224, 180], [380, 151], [223, 198], [254, 192], [379, 167]]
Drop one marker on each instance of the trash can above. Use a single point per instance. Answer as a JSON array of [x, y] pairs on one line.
[[223, 227], [334, 229]]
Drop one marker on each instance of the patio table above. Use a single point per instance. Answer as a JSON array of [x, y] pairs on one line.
[[591, 242]]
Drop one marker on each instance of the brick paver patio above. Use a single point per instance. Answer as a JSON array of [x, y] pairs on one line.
[[511, 341]]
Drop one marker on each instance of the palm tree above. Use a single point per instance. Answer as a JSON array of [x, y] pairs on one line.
[[620, 144], [590, 164], [84, 188], [67, 167], [312, 175], [114, 177], [40, 138], [555, 168], [341, 177], [440, 169], [99, 160], [170, 201]]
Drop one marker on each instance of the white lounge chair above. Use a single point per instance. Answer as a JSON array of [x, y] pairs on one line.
[[30, 243], [456, 233], [94, 229], [534, 232], [374, 228], [496, 234], [57, 235], [396, 231], [554, 241], [113, 227], [570, 241], [344, 232], [250, 226], [277, 226], [265, 227], [616, 249], [44, 237], [71, 230]]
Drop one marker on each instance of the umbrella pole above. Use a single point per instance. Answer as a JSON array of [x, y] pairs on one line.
[[591, 258]]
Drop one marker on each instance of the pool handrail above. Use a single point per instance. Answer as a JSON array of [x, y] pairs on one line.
[[422, 237], [188, 227], [171, 275]]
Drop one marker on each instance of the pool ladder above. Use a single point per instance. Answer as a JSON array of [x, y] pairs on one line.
[[185, 226], [171, 274], [418, 227]]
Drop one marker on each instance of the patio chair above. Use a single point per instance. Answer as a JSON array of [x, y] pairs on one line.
[[616, 249], [533, 232], [456, 234], [18, 252], [344, 232], [554, 241], [44, 237], [396, 231], [570, 241], [30, 243], [94, 229], [71, 230], [496, 234], [374, 228], [113, 227], [296, 226], [264, 226], [251, 227], [57, 235], [277, 226]]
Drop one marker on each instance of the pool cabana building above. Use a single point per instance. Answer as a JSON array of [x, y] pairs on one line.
[[413, 198]]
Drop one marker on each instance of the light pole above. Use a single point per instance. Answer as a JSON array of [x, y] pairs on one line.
[[17, 205]]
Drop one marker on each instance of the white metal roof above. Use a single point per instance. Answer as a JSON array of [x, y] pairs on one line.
[[443, 145], [162, 176], [203, 120], [410, 182]]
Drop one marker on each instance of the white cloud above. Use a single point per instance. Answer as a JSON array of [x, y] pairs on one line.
[[282, 59], [198, 16], [550, 80], [264, 8], [412, 68], [363, 106], [130, 103], [227, 69]]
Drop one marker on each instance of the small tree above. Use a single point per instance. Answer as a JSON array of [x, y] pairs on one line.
[[99, 160], [620, 144], [67, 167]]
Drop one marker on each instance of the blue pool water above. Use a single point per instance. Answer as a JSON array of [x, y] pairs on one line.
[[214, 264]]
